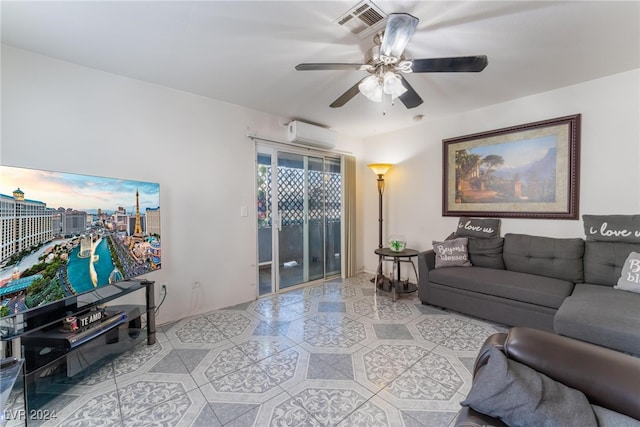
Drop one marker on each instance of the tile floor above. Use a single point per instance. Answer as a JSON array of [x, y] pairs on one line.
[[333, 354]]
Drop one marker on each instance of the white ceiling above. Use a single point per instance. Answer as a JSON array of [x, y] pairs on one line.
[[244, 52]]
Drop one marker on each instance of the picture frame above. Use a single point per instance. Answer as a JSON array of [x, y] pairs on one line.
[[524, 171]]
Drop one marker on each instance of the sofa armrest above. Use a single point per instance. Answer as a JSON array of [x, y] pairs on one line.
[[607, 377], [426, 263], [467, 417], [495, 340]]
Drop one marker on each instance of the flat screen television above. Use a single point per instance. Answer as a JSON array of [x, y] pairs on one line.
[[65, 234]]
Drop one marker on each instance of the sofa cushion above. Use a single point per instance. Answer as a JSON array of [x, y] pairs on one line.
[[521, 396], [482, 228], [544, 256], [603, 261], [630, 277], [601, 315], [608, 418], [527, 288], [452, 253], [612, 228], [486, 252]]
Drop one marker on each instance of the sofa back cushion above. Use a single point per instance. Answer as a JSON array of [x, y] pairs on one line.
[[485, 252], [603, 261], [612, 228], [481, 228], [545, 256]]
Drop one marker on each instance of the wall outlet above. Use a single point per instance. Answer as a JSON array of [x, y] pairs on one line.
[[161, 289]]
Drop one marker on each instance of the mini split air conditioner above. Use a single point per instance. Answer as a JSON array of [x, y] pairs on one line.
[[311, 135]]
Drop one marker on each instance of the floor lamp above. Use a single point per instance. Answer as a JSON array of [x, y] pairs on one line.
[[380, 169]]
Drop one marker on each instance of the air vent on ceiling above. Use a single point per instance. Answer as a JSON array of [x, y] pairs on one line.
[[363, 20]]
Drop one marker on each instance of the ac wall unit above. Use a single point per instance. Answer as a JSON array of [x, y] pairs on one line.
[[311, 135]]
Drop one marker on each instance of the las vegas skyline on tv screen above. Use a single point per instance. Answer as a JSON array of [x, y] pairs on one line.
[[64, 234]]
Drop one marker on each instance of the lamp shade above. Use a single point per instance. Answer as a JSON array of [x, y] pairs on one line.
[[393, 84], [371, 88], [380, 168]]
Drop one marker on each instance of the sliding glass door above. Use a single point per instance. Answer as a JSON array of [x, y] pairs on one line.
[[299, 218]]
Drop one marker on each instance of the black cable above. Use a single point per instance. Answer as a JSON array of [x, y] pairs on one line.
[[163, 298]]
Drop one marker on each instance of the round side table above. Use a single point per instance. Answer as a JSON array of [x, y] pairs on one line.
[[394, 284]]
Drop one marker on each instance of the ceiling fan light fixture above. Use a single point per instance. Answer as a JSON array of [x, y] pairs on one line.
[[392, 84], [371, 88]]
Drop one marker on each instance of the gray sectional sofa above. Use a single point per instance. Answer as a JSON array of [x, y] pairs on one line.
[[554, 284]]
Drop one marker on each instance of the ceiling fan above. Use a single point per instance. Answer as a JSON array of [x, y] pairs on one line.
[[386, 65]]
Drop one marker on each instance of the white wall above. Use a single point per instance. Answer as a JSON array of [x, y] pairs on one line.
[[62, 117], [610, 159]]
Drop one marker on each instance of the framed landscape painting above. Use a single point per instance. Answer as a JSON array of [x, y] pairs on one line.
[[524, 171]]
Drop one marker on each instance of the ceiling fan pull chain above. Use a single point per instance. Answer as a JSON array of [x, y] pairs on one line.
[[390, 103]]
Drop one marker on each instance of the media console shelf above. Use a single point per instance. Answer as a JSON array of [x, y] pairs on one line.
[[53, 349]]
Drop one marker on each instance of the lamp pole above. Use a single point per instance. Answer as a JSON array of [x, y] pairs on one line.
[[380, 192], [380, 169]]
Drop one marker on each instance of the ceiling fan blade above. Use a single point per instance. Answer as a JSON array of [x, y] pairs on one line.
[[346, 97], [450, 65], [410, 98], [400, 28], [328, 66]]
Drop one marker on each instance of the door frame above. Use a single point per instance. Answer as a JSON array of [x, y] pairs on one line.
[[272, 149]]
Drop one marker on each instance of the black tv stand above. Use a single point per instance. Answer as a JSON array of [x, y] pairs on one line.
[[53, 349]]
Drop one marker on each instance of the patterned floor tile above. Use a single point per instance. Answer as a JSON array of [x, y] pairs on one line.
[[99, 408], [171, 363], [315, 403], [379, 365], [468, 338], [428, 418], [435, 382], [383, 308], [232, 323], [140, 359], [206, 418], [220, 362], [375, 412], [181, 410], [332, 354], [271, 328], [437, 328], [227, 412], [272, 309], [330, 292], [322, 368], [332, 332], [245, 420], [332, 307], [261, 347], [259, 381], [392, 332], [195, 332], [191, 358], [149, 390], [343, 363]]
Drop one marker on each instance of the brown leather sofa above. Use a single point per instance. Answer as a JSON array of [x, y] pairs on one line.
[[609, 379]]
